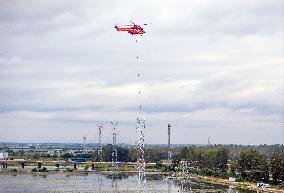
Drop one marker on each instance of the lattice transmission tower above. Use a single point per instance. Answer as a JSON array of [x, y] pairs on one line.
[[114, 143], [100, 149]]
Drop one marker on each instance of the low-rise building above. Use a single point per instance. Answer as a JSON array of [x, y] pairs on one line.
[[4, 155]]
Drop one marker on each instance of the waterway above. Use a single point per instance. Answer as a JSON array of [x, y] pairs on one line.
[[102, 183]]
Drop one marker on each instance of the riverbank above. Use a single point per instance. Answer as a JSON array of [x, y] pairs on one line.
[[240, 185], [78, 171]]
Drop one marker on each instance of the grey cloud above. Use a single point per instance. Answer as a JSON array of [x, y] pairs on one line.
[[225, 18], [207, 67]]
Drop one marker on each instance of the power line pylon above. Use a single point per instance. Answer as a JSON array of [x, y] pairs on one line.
[[100, 149], [84, 144], [169, 142], [114, 142]]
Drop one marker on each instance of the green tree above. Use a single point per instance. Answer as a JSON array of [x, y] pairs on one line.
[[36, 156], [222, 157], [154, 154], [107, 153], [277, 168], [176, 160], [184, 153], [192, 154], [123, 154], [67, 155], [253, 166]]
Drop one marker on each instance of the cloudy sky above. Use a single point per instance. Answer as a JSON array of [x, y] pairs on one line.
[[209, 68]]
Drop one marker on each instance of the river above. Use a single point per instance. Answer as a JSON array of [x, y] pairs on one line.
[[98, 183]]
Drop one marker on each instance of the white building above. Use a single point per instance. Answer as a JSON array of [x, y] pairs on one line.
[[3, 155]]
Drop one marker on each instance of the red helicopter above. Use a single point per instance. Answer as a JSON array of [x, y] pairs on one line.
[[131, 29]]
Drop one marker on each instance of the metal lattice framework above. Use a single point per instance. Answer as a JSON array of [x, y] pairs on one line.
[[114, 142], [208, 140], [184, 176], [100, 149], [140, 146], [169, 142], [84, 143]]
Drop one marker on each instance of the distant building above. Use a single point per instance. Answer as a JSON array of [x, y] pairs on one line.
[[3, 155]]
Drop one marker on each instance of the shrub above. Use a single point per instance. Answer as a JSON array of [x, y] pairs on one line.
[[242, 186], [34, 170], [87, 167], [44, 169], [69, 170]]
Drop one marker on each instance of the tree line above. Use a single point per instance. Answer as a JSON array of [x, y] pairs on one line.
[[246, 163], [243, 162]]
